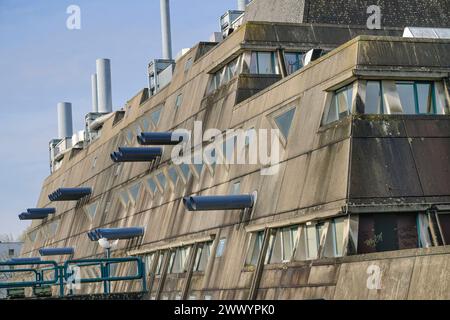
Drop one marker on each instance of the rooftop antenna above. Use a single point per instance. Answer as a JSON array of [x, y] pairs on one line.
[[94, 92], [104, 85], [65, 128], [165, 30]]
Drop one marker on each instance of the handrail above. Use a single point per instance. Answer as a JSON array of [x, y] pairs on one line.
[[104, 270], [39, 280]]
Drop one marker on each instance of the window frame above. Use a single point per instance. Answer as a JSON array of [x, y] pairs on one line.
[[415, 84]]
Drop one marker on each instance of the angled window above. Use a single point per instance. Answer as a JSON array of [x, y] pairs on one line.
[[282, 245], [309, 242], [188, 64], [178, 260], [340, 105], [173, 175], [284, 122], [160, 263], [138, 129], [417, 97], [152, 185], [129, 135], [374, 98], [155, 116], [91, 210], [52, 228], [186, 171], [134, 191], [293, 61], [124, 198], [33, 235], [198, 169], [255, 248], [161, 180], [178, 101], [233, 68], [145, 124], [263, 63], [202, 257], [221, 247], [337, 228]]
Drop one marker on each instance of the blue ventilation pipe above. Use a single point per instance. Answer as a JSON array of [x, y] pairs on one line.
[[115, 233], [92, 236], [136, 154], [120, 233], [159, 138], [69, 194], [36, 213], [228, 202], [56, 251]]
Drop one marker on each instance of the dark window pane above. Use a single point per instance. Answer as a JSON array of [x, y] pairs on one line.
[[444, 222], [254, 63], [293, 62], [387, 232]]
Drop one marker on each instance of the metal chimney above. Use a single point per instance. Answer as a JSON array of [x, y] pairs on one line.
[[165, 29], [94, 93], [104, 85], [242, 4], [65, 129]]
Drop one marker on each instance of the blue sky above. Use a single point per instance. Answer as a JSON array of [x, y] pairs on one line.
[[43, 63]]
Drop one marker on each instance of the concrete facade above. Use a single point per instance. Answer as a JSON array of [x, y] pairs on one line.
[[357, 166]]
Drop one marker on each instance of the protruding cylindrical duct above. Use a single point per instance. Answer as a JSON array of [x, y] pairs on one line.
[[165, 29], [94, 93], [242, 4], [104, 85], [65, 129]]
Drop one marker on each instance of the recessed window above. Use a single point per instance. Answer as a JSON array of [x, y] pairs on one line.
[[255, 248], [185, 170], [284, 122], [134, 191], [162, 180], [199, 169], [33, 235], [152, 185], [178, 101], [263, 63], [11, 252], [417, 97], [91, 210], [52, 228], [188, 64], [308, 248], [293, 61], [155, 116], [94, 162], [374, 98], [387, 232], [224, 75], [201, 259], [341, 104], [178, 260], [159, 265], [444, 223], [173, 175], [221, 247], [145, 124], [124, 198], [129, 136], [282, 245]]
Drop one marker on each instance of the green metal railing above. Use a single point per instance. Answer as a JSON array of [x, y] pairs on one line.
[[65, 274]]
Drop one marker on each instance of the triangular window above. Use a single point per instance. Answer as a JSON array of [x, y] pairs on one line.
[[284, 122]]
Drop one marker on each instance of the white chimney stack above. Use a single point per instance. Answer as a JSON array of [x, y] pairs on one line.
[[94, 93], [104, 85], [65, 129]]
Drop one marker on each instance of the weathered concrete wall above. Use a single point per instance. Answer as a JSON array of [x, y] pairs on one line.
[[423, 13]]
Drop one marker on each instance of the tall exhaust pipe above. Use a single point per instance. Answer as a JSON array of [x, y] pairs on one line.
[[165, 29], [104, 85], [94, 93], [242, 4], [65, 129]]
